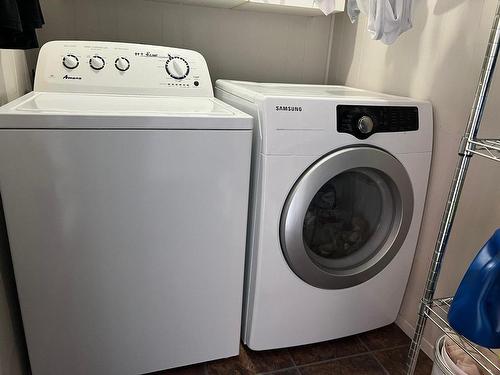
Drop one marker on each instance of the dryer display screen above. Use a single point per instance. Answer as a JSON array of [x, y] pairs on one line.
[[363, 121]]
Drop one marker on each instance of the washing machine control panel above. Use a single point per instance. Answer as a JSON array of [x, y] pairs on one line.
[[121, 68], [362, 121]]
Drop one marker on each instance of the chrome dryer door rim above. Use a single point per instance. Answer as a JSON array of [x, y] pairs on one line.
[[397, 195]]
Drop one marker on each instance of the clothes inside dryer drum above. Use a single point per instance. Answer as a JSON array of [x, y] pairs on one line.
[[344, 215]]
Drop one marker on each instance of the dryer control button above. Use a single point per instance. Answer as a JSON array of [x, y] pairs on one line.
[[365, 124]]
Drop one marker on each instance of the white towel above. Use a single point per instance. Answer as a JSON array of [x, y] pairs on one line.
[[387, 19]]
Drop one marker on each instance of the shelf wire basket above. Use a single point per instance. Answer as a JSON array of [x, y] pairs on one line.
[[437, 312]]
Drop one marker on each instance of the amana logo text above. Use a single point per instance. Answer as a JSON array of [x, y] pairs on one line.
[[288, 108], [71, 77]]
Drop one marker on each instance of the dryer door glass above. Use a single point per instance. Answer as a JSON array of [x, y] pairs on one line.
[[349, 218], [346, 217]]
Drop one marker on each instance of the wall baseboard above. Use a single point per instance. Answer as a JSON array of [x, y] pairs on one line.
[[409, 329]]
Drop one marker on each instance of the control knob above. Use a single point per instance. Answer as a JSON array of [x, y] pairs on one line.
[[97, 62], [122, 64], [177, 67], [70, 61], [365, 124]]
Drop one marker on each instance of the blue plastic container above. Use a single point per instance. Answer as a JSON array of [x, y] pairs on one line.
[[475, 311]]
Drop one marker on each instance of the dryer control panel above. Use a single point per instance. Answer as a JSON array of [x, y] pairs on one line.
[[121, 68], [362, 121]]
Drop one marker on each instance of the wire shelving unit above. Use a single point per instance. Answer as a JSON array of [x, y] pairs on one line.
[[436, 310]]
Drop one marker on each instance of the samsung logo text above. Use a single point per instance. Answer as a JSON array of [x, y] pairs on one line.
[[288, 108]]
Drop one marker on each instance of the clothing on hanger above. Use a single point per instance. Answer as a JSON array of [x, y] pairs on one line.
[[18, 21], [387, 19]]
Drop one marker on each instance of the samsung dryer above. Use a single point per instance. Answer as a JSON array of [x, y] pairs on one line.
[[339, 180], [125, 191]]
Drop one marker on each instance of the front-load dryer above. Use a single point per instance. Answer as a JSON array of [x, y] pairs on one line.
[[339, 179]]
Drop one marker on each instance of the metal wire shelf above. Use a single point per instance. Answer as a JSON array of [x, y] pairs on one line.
[[437, 311], [488, 148], [470, 145]]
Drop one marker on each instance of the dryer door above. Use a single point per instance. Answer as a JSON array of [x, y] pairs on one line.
[[346, 217]]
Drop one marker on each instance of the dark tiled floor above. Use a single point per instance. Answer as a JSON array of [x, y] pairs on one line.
[[382, 351], [391, 360]]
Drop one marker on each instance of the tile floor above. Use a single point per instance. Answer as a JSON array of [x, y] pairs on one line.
[[382, 351]]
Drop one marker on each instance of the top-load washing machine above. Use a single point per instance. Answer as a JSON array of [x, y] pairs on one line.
[[125, 191], [339, 180]]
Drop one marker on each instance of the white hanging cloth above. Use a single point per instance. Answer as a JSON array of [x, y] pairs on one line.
[[387, 19], [326, 6]]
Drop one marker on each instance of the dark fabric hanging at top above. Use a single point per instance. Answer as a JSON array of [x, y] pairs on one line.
[[18, 21]]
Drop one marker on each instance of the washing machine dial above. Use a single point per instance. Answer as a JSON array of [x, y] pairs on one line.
[[365, 124], [122, 64], [70, 61], [97, 62], [177, 67]]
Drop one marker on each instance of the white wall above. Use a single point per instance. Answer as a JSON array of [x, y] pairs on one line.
[[14, 82], [14, 75], [438, 60], [237, 44]]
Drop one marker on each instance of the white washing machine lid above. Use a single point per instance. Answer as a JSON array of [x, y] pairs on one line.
[[78, 110], [252, 90]]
